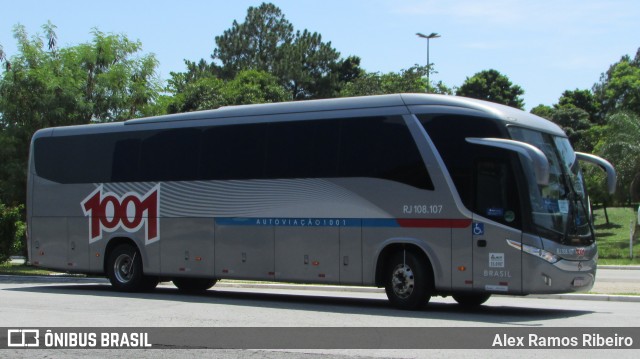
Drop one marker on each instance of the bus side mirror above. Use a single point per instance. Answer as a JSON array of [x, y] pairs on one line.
[[537, 158], [605, 165]]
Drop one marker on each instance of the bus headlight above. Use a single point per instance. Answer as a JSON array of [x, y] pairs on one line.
[[534, 251], [547, 256]]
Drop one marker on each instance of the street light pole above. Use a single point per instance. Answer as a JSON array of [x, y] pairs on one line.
[[433, 35]]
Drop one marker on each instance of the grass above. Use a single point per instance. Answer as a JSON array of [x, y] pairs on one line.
[[613, 238], [620, 262], [22, 269]]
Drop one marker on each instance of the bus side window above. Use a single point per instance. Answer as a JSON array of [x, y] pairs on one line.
[[233, 152], [496, 196], [382, 147], [170, 155], [126, 158]]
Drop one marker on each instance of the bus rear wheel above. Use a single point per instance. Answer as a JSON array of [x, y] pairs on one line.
[[408, 280], [471, 300], [124, 269], [194, 285]]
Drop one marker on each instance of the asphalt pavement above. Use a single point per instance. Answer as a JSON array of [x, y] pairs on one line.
[[613, 283]]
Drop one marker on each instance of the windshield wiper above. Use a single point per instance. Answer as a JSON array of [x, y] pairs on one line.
[[574, 214]]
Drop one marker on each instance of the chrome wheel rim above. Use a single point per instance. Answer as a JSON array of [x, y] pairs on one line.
[[402, 281], [123, 268]]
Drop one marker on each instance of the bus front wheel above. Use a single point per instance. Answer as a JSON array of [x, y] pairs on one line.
[[408, 280], [124, 269]]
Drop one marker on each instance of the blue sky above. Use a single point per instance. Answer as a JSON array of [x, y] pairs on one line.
[[544, 46]]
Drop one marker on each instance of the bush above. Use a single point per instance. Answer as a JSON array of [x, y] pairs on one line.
[[12, 231]]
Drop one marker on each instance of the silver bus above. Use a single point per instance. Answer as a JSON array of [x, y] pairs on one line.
[[424, 195]]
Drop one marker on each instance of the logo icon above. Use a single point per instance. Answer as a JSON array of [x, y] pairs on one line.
[[580, 252], [496, 260], [477, 228], [23, 338], [108, 212]]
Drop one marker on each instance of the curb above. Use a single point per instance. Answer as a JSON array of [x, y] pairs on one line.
[[52, 279], [620, 267], [592, 297], [15, 279]]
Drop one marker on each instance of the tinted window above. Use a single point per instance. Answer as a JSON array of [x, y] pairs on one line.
[[74, 159], [496, 193], [380, 147], [233, 152], [305, 149], [126, 160], [170, 155], [448, 133]]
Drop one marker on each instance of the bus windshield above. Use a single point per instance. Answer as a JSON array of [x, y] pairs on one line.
[[560, 209]]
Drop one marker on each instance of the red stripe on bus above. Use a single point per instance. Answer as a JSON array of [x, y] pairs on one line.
[[434, 223]]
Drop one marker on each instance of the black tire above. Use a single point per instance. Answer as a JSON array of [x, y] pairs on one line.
[[124, 269], [471, 300], [194, 285], [408, 280]]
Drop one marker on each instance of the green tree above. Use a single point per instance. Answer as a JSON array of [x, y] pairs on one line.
[[209, 92], [619, 87], [254, 44], [43, 85], [575, 123], [120, 83], [266, 41], [595, 177], [11, 231], [201, 94], [491, 85], [251, 86], [621, 146], [3, 58], [582, 99], [409, 80], [543, 111], [195, 71], [576, 112], [308, 66]]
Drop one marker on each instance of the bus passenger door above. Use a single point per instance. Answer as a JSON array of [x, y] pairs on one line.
[[496, 237]]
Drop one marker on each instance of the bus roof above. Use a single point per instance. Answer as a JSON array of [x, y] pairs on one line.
[[415, 103], [488, 109]]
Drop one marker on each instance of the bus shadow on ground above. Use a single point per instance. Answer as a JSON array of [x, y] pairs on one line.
[[437, 309]]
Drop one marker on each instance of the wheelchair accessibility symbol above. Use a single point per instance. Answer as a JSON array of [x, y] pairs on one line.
[[478, 229]]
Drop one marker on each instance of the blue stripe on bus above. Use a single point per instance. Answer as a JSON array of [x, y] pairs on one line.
[[344, 222]]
